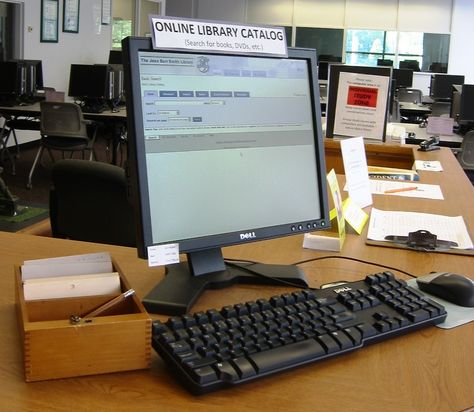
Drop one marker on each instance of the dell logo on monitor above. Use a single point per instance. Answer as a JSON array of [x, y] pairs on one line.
[[248, 235]]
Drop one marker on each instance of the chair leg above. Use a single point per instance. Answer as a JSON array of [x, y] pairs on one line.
[[33, 167]]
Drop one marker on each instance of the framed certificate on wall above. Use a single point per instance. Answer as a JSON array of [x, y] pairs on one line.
[[49, 21], [71, 16]]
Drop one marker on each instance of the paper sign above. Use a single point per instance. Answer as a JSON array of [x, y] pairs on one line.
[[428, 165], [336, 197], [440, 125], [161, 255], [354, 215], [361, 107], [355, 168], [217, 36]]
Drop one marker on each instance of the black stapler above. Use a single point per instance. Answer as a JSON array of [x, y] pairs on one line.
[[429, 144]]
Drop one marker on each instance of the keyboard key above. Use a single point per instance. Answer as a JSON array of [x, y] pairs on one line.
[[244, 367], [278, 358]]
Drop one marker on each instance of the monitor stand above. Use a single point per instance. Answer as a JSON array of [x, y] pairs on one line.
[[184, 282]]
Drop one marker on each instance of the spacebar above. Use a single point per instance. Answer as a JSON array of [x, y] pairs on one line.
[[286, 356]]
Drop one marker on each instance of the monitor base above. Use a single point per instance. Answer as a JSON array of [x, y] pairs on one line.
[[175, 294]]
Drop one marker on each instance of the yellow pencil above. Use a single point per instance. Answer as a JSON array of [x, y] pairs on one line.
[[402, 189]]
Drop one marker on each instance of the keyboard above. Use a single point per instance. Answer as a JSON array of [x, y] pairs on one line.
[[222, 348]]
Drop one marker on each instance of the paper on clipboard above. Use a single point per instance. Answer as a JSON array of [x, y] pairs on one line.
[[385, 223]]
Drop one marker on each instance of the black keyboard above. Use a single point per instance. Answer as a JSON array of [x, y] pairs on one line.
[[222, 348]]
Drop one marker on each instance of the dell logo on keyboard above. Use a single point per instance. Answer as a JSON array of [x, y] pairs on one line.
[[344, 289], [248, 235]]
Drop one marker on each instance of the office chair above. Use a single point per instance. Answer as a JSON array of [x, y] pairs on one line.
[[466, 155], [410, 64], [438, 67], [409, 95], [63, 128], [88, 201], [384, 62]]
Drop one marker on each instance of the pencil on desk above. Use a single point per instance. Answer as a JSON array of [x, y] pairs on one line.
[[402, 189]]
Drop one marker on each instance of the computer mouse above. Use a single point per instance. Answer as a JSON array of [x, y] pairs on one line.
[[454, 288]]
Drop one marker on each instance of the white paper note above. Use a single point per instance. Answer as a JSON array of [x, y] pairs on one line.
[[355, 169]]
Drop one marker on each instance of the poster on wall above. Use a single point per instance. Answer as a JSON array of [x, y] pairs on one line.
[[358, 100], [71, 16], [49, 21]]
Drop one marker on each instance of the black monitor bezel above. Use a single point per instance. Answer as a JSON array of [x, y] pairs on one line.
[[137, 169]]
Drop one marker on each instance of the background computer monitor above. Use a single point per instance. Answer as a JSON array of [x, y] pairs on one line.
[[403, 77], [9, 79], [466, 109], [88, 81], [456, 92], [115, 57], [441, 85], [223, 150], [323, 70], [31, 76]]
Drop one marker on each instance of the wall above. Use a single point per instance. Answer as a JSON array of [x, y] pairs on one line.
[[461, 58], [90, 45]]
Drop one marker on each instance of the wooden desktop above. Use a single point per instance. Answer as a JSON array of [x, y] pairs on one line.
[[428, 370]]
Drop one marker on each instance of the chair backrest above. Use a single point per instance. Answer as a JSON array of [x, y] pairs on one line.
[[88, 201], [466, 155], [410, 64], [62, 119], [409, 95]]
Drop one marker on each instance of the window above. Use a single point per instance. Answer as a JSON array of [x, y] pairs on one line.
[[365, 47], [121, 28]]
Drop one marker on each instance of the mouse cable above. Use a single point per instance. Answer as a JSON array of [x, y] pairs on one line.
[[301, 262]]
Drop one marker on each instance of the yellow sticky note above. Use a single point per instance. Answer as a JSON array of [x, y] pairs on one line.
[[354, 215]]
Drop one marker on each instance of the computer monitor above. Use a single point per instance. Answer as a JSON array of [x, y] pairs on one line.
[[9, 80], [323, 70], [30, 76], [91, 85], [88, 81], [466, 107], [115, 57], [403, 77], [441, 85], [223, 150], [455, 108]]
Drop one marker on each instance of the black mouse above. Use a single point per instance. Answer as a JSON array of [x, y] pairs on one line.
[[454, 288]]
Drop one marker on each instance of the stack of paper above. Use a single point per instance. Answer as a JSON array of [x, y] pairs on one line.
[[70, 276]]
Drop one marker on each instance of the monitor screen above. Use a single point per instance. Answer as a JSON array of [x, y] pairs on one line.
[[224, 150], [88, 81], [441, 85], [403, 77]]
